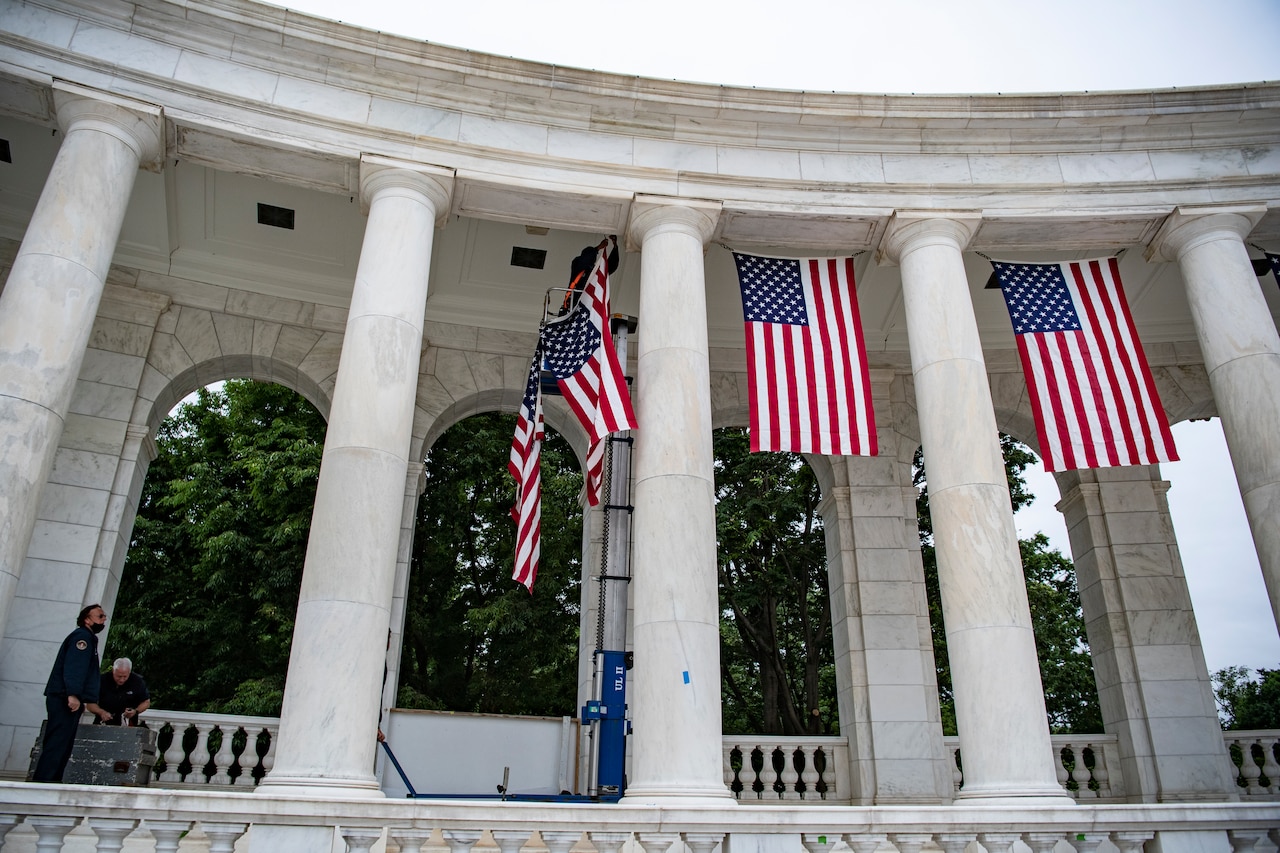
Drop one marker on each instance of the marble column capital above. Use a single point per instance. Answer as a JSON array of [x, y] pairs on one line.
[[909, 230], [652, 214], [1194, 225], [138, 125], [432, 184]]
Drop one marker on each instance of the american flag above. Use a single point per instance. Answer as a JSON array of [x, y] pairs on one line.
[[525, 466], [579, 353], [1275, 265], [809, 391], [1092, 394]]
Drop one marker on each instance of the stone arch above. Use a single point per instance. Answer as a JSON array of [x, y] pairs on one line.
[[192, 348]]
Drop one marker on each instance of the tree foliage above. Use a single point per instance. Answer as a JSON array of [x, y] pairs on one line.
[[1066, 667], [1246, 702], [210, 585], [777, 662], [475, 640]]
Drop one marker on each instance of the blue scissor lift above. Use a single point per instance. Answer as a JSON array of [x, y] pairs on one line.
[[606, 713]]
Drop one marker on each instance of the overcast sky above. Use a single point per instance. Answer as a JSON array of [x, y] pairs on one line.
[[931, 46]]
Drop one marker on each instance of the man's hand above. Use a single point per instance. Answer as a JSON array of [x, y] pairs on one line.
[[73, 703]]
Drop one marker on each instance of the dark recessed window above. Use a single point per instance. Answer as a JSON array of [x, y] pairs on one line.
[[6, 156], [534, 259], [276, 217]]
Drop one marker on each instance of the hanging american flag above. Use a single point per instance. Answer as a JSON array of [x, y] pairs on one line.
[[525, 467], [579, 353], [1275, 265], [1092, 394], [808, 391]]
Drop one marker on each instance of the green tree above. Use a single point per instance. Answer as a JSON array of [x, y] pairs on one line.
[[1245, 702], [210, 585], [777, 661], [475, 640], [1066, 668]]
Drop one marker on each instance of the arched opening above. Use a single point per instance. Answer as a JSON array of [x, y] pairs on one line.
[[209, 589], [474, 639], [776, 650]]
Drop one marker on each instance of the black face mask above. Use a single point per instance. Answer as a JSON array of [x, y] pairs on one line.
[[97, 628]]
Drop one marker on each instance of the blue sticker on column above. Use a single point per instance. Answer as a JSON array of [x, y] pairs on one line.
[[686, 676]]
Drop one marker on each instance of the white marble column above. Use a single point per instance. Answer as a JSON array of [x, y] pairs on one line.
[[1000, 712], [49, 303], [675, 691], [332, 693], [1241, 352]]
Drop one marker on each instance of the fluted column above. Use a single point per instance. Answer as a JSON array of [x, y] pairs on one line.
[[1000, 712], [51, 298], [1241, 355], [344, 607], [675, 694]]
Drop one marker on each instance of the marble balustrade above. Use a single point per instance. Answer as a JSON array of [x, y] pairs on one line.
[[230, 751], [79, 818]]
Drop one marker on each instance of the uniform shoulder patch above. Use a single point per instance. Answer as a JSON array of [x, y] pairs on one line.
[[82, 645]]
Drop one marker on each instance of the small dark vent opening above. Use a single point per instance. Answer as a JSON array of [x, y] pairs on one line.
[[534, 259], [276, 217], [6, 156]]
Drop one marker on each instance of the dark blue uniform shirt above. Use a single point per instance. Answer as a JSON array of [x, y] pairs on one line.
[[75, 670]]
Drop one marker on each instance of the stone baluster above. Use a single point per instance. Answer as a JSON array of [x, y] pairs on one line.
[[360, 839], [223, 836], [1101, 774], [167, 833], [1060, 767], [1087, 842], [727, 761], [955, 842], [1041, 842], [558, 841], [461, 840], [111, 832], [1244, 840], [863, 842], [957, 773], [1130, 841], [911, 842], [269, 759], [246, 760], [51, 831], [1081, 772], [998, 842], [818, 843], [224, 758], [415, 840], [810, 775], [789, 775], [1270, 767], [173, 756], [1249, 769], [8, 822], [657, 842], [201, 754], [605, 842], [701, 842]]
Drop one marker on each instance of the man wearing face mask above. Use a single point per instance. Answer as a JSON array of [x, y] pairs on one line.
[[72, 689]]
